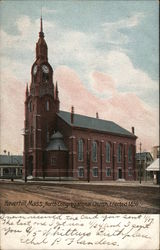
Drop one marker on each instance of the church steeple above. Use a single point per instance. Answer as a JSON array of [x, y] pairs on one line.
[[41, 71], [41, 46], [41, 109]]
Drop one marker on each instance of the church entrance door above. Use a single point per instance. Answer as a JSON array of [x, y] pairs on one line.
[[119, 173]]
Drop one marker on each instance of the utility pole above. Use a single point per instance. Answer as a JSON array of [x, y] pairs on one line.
[[140, 166], [88, 161]]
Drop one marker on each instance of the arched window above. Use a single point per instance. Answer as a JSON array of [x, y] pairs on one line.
[[119, 153], [45, 77], [47, 105], [94, 151], [130, 154], [108, 152], [80, 150]]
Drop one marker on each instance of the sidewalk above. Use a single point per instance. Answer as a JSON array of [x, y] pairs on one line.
[[107, 183]]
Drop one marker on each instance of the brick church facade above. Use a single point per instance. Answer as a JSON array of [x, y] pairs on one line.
[[60, 144]]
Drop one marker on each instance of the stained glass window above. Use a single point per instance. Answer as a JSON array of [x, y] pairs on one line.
[[80, 150], [119, 153], [108, 152], [94, 151]]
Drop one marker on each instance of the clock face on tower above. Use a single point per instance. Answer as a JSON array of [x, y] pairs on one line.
[[35, 69], [45, 68]]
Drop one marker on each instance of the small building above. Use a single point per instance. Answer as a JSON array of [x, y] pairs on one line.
[[143, 160], [155, 169], [156, 152], [11, 166]]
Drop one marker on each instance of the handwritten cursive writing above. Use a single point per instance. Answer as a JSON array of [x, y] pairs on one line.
[[80, 231]]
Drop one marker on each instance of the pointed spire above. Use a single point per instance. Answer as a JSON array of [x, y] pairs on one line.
[[56, 86], [41, 46], [57, 91], [56, 98], [41, 34], [27, 89]]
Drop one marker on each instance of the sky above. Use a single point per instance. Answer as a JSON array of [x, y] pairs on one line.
[[104, 55]]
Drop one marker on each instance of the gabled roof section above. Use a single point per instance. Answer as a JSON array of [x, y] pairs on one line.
[[144, 156], [154, 166], [82, 121], [11, 160]]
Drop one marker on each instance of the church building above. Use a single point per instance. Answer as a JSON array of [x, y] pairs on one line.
[[66, 145]]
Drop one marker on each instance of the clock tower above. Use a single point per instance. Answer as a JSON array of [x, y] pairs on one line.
[[41, 106]]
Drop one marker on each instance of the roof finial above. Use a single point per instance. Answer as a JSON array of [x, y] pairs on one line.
[[41, 34], [41, 25]]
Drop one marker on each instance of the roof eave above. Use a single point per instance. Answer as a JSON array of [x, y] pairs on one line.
[[102, 131]]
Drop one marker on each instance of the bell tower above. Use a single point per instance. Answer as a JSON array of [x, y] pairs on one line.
[[41, 106]]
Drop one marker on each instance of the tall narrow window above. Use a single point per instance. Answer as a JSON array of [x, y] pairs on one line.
[[94, 151], [130, 154], [81, 172], [108, 152], [45, 77], [53, 161], [80, 150], [47, 105], [30, 106], [108, 172], [119, 153], [95, 172], [31, 137], [34, 78], [47, 135], [129, 172]]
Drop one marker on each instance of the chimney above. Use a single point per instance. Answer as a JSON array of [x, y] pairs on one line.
[[97, 115], [8, 153], [132, 130], [72, 114]]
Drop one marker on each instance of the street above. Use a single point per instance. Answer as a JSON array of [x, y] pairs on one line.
[[63, 197]]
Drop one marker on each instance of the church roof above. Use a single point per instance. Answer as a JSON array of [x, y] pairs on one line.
[[56, 135], [94, 123], [56, 143]]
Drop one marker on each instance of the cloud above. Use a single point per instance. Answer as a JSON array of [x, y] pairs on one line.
[[27, 34], [127, 109], [102, 85], [127, 77], [104, 81], [113, 30], [45, 10], [79, 50]]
